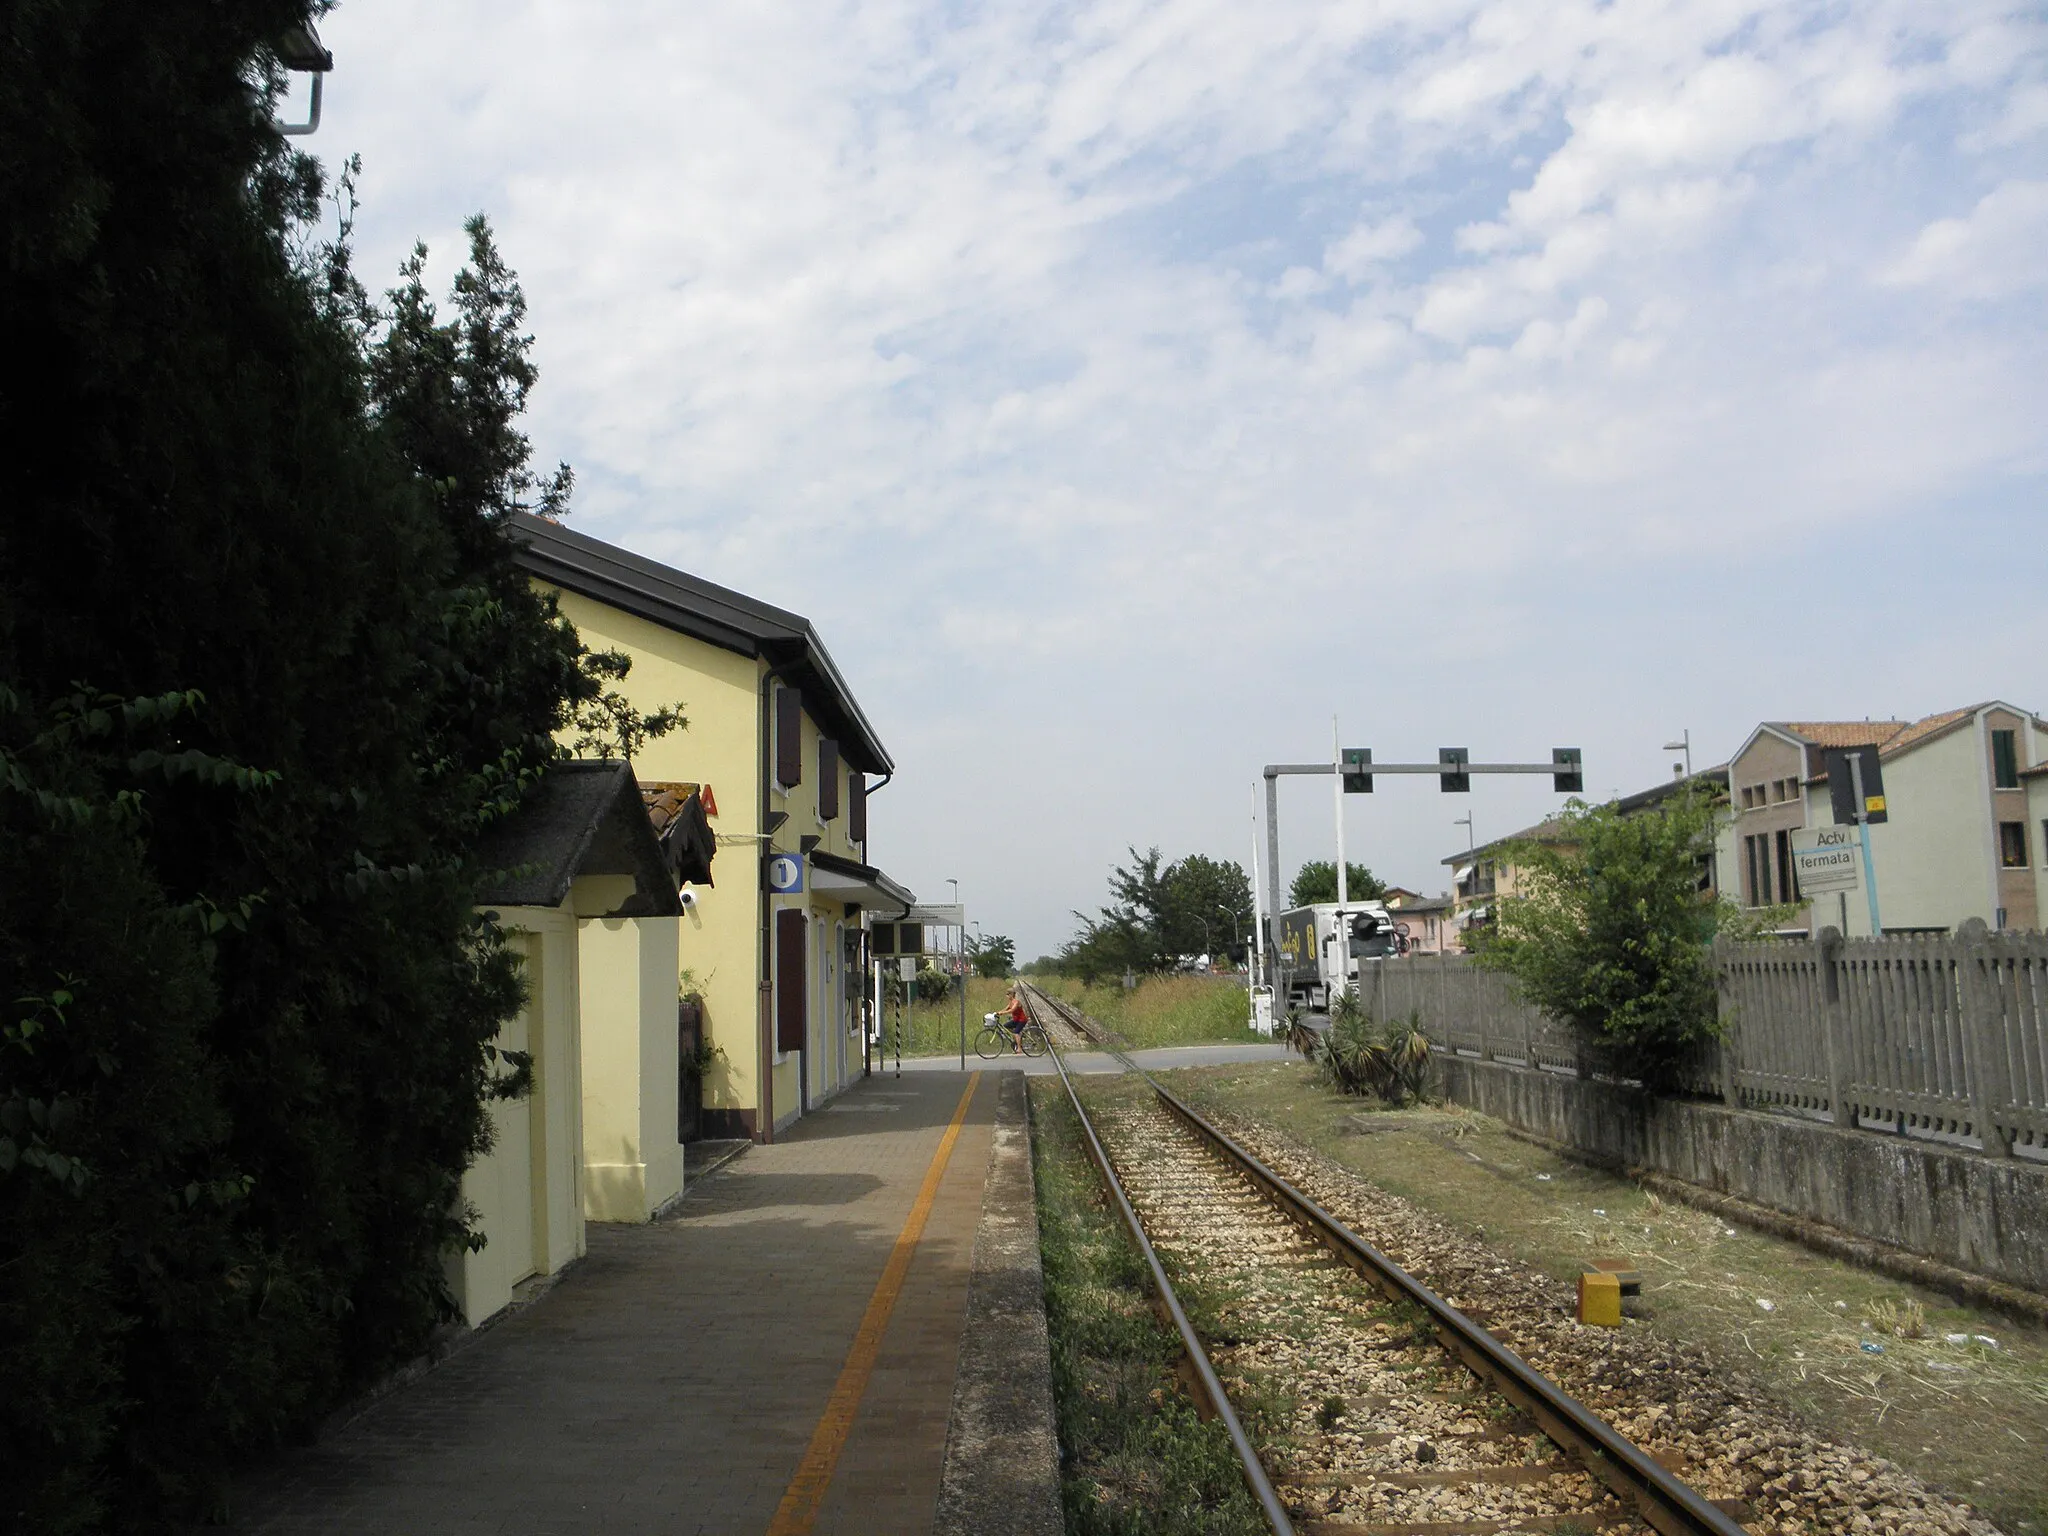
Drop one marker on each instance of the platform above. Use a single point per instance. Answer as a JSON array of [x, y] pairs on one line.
[[694, 1374]]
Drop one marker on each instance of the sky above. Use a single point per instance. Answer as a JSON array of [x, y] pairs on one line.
[[1126, 390]]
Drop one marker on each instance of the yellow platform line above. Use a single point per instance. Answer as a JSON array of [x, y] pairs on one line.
[[806, 1492]]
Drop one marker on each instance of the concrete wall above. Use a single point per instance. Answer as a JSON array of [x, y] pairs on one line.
[[527, 1190], [632, 1161], [1985, 1215]]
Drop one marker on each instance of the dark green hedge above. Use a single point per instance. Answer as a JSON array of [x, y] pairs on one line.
[[265, 669]]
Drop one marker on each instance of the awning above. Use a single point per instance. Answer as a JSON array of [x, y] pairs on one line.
[[1463, 871], [863, 885]]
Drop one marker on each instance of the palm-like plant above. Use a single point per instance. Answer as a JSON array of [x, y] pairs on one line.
[[1360, 1055]]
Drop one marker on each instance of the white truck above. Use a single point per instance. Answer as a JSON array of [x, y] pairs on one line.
[[1314, 965]]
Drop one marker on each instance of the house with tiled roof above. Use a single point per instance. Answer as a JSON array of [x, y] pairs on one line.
[[1965, 821]]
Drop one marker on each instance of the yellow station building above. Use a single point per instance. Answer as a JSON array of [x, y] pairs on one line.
[[782, 758]]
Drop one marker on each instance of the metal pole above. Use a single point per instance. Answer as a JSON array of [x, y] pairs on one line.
[[1255, 958], [1863, 831], [905, 1014], [1273, 877], [960, 950], [1343, 926]]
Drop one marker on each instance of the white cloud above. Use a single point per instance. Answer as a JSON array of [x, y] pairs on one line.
[[1155, 370], [1994, 250]]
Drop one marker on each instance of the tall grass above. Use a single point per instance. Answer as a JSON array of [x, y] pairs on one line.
[[1164, 1010], [933, 1029]]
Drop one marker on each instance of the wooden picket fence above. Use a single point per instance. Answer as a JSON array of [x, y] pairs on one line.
[[1936, 1036]]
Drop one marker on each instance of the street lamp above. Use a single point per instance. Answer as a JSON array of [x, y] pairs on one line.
[[300, 51], [1683, 744]]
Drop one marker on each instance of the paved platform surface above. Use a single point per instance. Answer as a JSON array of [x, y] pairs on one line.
[[673, 1381], [1158, 1059]]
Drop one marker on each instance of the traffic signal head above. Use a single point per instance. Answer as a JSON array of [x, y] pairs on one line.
[[1455, 780], [1357, 770], [1570, 778]]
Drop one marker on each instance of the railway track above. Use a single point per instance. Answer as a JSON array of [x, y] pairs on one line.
[[1380, 1408]]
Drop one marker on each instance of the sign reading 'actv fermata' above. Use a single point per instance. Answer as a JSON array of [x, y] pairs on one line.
[[1826, 859]]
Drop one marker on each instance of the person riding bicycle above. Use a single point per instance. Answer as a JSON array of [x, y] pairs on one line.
[[1019, 1017]]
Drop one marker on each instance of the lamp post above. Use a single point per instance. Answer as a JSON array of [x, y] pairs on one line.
[[1683, 744], [960, 972]]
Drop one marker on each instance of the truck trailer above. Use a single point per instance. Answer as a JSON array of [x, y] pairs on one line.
[[1314, 966]]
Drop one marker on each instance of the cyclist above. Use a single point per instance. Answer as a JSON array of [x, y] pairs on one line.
[[1019, 1017]]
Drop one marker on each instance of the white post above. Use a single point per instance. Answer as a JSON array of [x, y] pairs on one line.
[[1255, 957], [1343, 872]]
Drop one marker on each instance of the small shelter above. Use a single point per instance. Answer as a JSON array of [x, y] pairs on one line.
[[579, 883]]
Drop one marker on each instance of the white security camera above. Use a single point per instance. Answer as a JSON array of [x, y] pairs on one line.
[[688, 899]]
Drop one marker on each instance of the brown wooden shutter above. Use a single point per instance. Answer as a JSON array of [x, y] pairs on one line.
[[857, 807], [791, 992], [828, 779], [789, 737]]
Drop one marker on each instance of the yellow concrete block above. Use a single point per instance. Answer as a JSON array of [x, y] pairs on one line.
[[1599, 1299]]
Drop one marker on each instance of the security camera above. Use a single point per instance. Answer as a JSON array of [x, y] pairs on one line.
[[688, 899]]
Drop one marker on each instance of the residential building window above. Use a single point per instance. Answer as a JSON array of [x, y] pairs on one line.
[[1787, 891], [1757, 849], [2012, 845], [2005, 759]]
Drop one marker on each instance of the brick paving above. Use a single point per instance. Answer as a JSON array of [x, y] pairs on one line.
[[671, 1382]]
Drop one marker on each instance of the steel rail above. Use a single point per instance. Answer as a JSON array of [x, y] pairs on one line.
[[1211, 1386], [1664, 1501]]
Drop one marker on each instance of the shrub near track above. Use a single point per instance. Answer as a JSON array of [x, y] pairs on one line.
[[1134, 1454]]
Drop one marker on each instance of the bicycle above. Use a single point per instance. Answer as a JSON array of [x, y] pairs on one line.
[[996, 1039]]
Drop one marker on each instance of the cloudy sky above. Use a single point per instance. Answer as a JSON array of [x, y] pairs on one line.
[[1124, 389]]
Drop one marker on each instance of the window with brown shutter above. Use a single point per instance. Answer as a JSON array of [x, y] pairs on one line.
[[857, 807], [828, 779], [791, 991], [789, 737]]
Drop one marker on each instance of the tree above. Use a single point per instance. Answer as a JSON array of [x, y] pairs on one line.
[[267, 666], [1608, 932], [994, 956], [1316, 883], [1193, 906]]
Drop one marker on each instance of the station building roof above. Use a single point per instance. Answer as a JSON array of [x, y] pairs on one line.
[[705, 611]]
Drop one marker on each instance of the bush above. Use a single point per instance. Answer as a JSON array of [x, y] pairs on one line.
[[248, 1008], [1356, 1054], [1608, 931]]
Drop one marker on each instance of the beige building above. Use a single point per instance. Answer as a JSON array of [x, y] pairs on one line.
[[1963, 832], [784, 760], [1427, 919]]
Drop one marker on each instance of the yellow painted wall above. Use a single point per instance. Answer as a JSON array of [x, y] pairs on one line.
[[720, 694], [632, 1161], [526, 1190], [721, 937]]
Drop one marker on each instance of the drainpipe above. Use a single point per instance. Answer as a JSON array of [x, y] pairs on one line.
[[764, 1041]]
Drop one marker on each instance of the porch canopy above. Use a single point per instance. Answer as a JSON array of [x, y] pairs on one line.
[[582, 818], [857, 884]]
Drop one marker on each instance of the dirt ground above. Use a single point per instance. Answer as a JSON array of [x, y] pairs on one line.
[[1955, 1394]]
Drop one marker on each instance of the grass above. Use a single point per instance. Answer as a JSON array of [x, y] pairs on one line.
[[933, 1029], [1134, 1454], [1969, 1418], [1164, 1010]]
